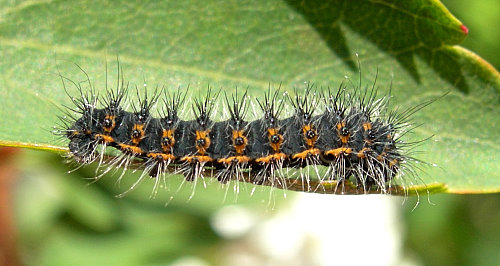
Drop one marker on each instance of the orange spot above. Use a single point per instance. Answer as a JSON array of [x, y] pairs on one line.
[[130, 149], [381, 156], [202, 146], [303, 155], [362, 153], [108, 129], [239, 148], [272, 157], [274, 132], [394, 162], [197, 158], [140, 128], [367, 126], [168, 133], [104, 138], [344, 139], [309, 141], [339, 151], [163, 156], [234, 159]]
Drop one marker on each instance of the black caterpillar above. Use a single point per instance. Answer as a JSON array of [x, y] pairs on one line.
[[355, 137]]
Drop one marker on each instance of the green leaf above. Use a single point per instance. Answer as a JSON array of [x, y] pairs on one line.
[[412, 44]]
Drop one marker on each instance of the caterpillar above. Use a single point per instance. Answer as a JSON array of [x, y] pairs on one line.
[[348, 139]]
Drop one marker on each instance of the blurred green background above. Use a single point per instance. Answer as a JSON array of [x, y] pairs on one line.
[[461, 229], [54, 218], [480, 17]]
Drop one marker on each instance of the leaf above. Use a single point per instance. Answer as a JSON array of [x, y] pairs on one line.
[[412, 44]]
